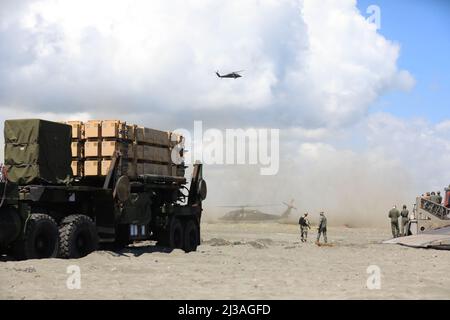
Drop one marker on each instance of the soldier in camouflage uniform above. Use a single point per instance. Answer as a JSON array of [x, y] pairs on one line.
[[426, 205], [304, 226], [439, 197], [394, 214], [433, 197], [322, 228], [404, 221]]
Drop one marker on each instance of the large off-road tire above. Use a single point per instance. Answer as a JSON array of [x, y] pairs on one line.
[[77, 237], [40, 240], [191, 236], [172, 237], [176, 238]]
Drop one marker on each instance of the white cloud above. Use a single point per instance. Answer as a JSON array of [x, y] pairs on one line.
[[307, 63], [419, 147], [443, 127]]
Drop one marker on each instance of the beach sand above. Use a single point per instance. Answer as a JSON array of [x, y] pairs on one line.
[[242, 261]]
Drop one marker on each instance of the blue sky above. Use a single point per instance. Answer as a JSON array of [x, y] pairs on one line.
[[422, 28]]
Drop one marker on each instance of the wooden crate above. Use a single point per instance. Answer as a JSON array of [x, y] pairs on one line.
[[158, 154], [128, 168], [92, 149], [140, 137], [134, 169], [131, 154], [139, 152], [77, 129], [77, 149], [108, 149], [113, 129], [91, 168], [131, 132], [92, 129], [140, 169], [152, 136], [77, 168], [105, 165], [131, 169]]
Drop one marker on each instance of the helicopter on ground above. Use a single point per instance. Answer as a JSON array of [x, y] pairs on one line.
[[232, 75], [249, 213]]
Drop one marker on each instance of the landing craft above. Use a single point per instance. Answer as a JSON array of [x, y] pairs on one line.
[[232, 75], [248, 213], [429, 225]]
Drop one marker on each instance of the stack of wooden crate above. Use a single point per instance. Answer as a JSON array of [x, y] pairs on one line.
[[143, 150], [153, 152], [103, 139], [77, 147]]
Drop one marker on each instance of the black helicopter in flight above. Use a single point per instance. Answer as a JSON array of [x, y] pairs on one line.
[[232, 75]]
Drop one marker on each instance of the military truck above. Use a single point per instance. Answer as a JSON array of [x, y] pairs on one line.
[[46, 211]]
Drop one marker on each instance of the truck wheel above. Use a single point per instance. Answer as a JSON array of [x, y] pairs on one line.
[[77, 237], [40, 240], [191, 236], [176, 234]]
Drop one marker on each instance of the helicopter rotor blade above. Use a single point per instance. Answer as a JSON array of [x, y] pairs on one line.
[[249, 206]]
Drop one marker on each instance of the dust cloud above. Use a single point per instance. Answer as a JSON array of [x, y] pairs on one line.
[[352, 190]]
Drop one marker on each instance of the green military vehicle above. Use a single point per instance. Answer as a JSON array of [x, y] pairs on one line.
[[46, 213]]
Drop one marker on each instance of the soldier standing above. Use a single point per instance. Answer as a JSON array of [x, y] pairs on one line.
[[405, 220], [394, 214], [426, 204], [304, 226], [433, 197], [439, 197], [322, 228]]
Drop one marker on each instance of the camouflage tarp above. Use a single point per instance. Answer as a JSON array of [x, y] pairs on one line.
[[38, 151]]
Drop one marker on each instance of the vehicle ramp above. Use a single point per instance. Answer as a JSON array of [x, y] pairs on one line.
[[433, 239]]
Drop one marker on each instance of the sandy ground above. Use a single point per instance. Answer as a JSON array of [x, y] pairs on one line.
[[242, 261]]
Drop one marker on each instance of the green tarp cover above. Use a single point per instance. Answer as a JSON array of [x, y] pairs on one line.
[[38, 151]]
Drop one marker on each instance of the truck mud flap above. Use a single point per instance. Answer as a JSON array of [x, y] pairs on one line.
[[104, 212]]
